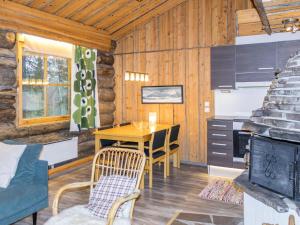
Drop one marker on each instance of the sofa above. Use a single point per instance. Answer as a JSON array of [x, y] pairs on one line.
[[27, 192]]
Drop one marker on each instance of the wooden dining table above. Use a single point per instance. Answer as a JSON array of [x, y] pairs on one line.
[[132, 133]]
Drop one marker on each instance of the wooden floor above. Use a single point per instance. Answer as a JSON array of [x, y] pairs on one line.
[[178, 192]]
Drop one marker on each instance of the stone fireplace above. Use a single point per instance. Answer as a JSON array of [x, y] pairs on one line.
[[272, 184], [275, 165], [274, 161], [279, 117]]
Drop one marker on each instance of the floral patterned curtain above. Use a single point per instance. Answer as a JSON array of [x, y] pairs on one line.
[[84, 93]]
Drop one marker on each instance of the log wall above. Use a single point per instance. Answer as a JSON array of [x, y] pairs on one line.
[[174, 48], [42, 133]]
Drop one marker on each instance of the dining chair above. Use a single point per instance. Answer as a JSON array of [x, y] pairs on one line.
[[128, 144], [156, 152], [105, 142], [124, 124], [174, 145]]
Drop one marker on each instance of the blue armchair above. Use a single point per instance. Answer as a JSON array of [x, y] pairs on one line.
[[27, 192]]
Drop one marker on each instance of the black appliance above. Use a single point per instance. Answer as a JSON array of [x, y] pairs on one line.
[[275, 165], [240, 143]]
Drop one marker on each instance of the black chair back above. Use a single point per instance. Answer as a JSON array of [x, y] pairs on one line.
[[124, 124], [104, 142], [159, 139], [174, 133]]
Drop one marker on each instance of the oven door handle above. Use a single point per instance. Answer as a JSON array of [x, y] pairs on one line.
[[244, 132]]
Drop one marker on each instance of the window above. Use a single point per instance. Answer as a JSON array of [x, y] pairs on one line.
[[44, 87]]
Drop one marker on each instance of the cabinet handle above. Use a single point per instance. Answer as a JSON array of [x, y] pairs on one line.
[[219, 153], [219, 135], [218, 125], [266, 68], [219, 144], [225, 86]]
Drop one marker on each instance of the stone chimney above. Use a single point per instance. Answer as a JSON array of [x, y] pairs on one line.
[[279, 116]]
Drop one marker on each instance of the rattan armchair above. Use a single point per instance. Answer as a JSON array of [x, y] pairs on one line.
[[108, 162]]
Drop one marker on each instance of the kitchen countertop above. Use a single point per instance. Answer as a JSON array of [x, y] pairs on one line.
[[233, 118]]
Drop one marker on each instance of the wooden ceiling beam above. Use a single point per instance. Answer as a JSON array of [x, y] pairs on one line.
[[32, 21], [55, 5], [23, 2], [263, 16], [90, 10], [121, 13], [106, 11], [126, 28], [138, 13], [73, 7], [38, 4]]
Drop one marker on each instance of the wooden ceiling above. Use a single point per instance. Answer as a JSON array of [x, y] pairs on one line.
[[116, 17], [249, 22]]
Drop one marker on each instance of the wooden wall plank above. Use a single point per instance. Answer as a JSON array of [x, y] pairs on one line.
[[119, 79], [152, 43], [192, 27], [192, 103], [180, 26], [205, 95], [166, 32], [176, 46], [205, 22], [140, 66], [219, 22], [152, 68], [165, 78], [179, 65], [140, 39]]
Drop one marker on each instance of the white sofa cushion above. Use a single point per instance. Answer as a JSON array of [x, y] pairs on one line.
[[9, 160], [107, 191], [79, 215]]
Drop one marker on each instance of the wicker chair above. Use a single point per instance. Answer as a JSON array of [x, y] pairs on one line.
[[109, 162]]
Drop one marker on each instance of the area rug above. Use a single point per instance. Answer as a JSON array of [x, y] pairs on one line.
[[222, 190], [185, 218]]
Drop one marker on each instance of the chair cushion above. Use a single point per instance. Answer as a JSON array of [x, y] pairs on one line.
[[79, 215], [107, 191], [173, 146], [19, 198], [155, 154]]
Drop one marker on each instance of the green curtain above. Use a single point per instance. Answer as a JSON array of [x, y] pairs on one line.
[[84, 90]]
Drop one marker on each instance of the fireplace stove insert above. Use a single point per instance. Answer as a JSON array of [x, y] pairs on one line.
[[275, 165]]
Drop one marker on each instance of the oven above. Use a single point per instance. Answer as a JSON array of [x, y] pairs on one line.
[[241, 142]]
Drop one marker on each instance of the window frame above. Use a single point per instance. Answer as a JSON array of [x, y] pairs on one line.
[[22, 122]]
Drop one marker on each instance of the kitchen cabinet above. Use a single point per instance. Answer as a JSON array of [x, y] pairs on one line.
[[220, 142], [255, 62], [223, 67], [249, 63], [285, 49]]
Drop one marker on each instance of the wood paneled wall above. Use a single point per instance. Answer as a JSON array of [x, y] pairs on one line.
[[174, 48]]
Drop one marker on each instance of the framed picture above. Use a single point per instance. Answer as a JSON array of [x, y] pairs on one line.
[[162, 94]]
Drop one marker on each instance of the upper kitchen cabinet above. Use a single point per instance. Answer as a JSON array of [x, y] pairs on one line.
[[255, 62], [284, 50], [223, 67]]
